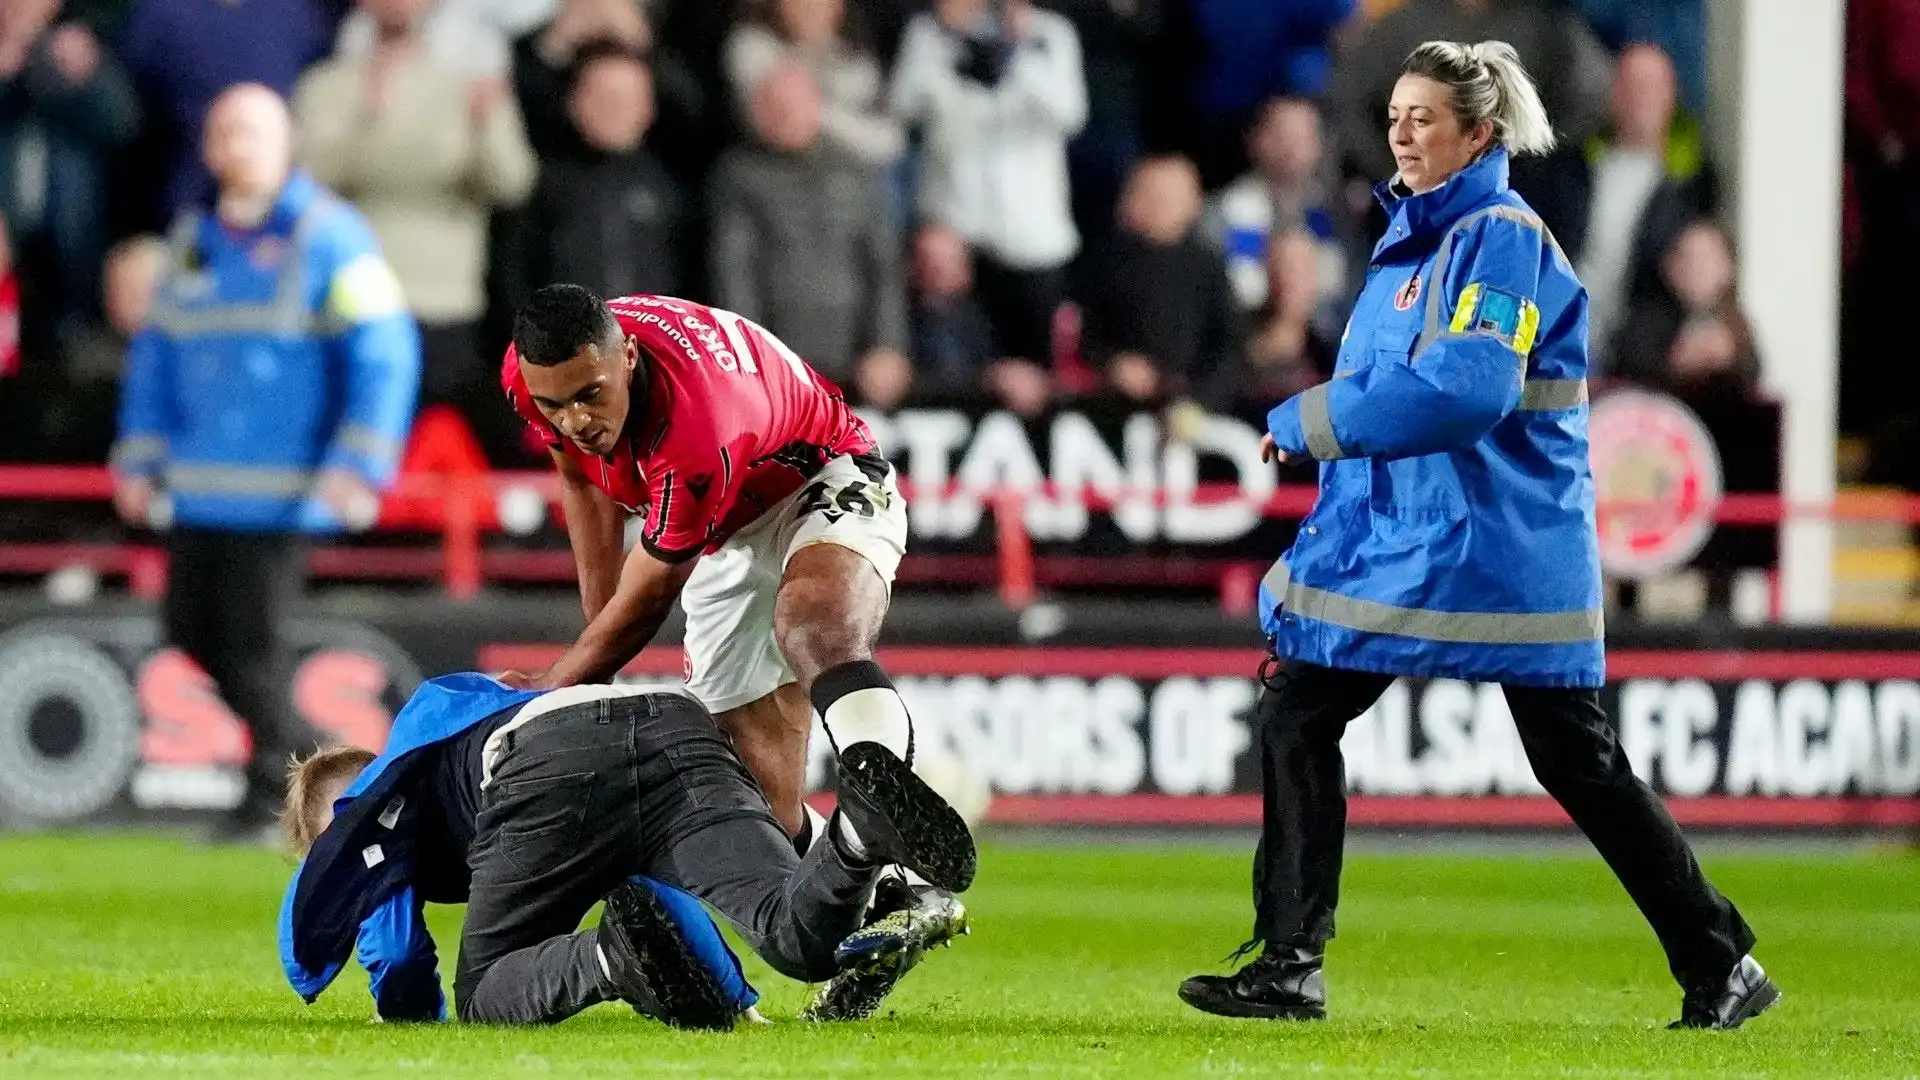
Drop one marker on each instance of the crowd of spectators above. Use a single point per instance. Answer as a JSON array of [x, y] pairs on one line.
[[1017, 201]]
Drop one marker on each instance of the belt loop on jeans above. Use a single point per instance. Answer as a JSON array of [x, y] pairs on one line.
[[653, 706], [605, 713]]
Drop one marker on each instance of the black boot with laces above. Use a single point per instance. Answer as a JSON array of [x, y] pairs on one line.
[[1282, 983]]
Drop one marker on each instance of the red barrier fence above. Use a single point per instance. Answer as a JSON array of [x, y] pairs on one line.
[[458, 511]]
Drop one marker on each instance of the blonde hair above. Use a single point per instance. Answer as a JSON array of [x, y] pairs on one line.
[[1487, 82], [308, 780]]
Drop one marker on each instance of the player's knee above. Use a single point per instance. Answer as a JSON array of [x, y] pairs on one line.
[[815, 632]]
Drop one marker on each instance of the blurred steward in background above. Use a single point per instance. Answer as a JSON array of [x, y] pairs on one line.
[[268, 396]]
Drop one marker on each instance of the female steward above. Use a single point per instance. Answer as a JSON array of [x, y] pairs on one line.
[[1454, 538]]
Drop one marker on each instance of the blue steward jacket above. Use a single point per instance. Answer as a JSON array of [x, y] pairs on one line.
[[270, 356], [1454, 532], [360, 891]]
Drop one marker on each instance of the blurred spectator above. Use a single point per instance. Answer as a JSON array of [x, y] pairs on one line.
[[132, 277], [1617, 202], [998, 90], [426, 152], [1289, 350], [1687, 334], [1117, 39], [1022, 387], [611, 219], [802, 243], [452, 32], [511, 17], [1569, 62], [1160, 317], [183, 53], [882, 380], [1679, 27], [9, 306], [65, 108], [1291, 187], [1239, 54], [1879, 385], [268, 396], [811, 33], [129, 279], [542, 59], [952, 338]]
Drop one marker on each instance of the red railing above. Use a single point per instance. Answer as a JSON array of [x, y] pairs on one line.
[[459, 511]]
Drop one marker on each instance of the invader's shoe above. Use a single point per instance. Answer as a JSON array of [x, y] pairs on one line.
[[652, 967]]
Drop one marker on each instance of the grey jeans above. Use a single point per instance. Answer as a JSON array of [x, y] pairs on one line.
[[591, 794]]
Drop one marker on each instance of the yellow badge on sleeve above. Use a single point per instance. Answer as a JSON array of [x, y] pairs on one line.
[[363, 290], [1512, 318]]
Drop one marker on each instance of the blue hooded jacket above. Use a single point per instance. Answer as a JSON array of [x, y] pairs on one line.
[[1454, 533], [357, 890]]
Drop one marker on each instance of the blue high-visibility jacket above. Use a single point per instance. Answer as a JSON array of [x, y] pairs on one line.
[[270, 355], [362, 887], [1454, 533]]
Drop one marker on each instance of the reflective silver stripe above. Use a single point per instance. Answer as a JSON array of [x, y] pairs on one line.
[[137, 450], [1316, 424], [1275, 581], [286, 315], [233, 319], [237, 480], [1545, 395], [1464, 627], [361, 439]]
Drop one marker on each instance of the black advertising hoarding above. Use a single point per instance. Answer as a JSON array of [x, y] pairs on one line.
[[1119, 735], [1104, 723]]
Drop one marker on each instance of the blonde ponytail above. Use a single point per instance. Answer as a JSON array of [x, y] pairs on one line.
[[1519, 119], [1487, 82]]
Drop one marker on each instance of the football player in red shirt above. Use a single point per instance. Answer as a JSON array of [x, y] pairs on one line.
[[767, 510]]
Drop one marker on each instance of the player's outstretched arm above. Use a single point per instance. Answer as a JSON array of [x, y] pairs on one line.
[[645, 597], [594, 527]]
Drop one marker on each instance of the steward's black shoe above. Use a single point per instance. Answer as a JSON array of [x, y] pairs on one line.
[[1281, 984], [899, 819], [1746, 994], [652, 967]]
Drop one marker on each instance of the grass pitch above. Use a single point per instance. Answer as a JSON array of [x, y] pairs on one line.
[[131, 956]]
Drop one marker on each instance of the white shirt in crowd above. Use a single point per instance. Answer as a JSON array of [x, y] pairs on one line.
[[456, 34], [1623, 181], [996, 158]]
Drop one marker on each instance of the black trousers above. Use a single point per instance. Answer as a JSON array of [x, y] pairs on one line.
[[1021, 304], [589, 795], [1575, 754], [227, 594]]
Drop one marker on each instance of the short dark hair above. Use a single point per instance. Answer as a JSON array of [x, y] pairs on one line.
[[560, 320]]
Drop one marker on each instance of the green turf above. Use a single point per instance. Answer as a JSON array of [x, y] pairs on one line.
[[136, 956]]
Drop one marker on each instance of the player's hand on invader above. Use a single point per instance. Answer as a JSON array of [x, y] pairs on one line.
[[520, 680]]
